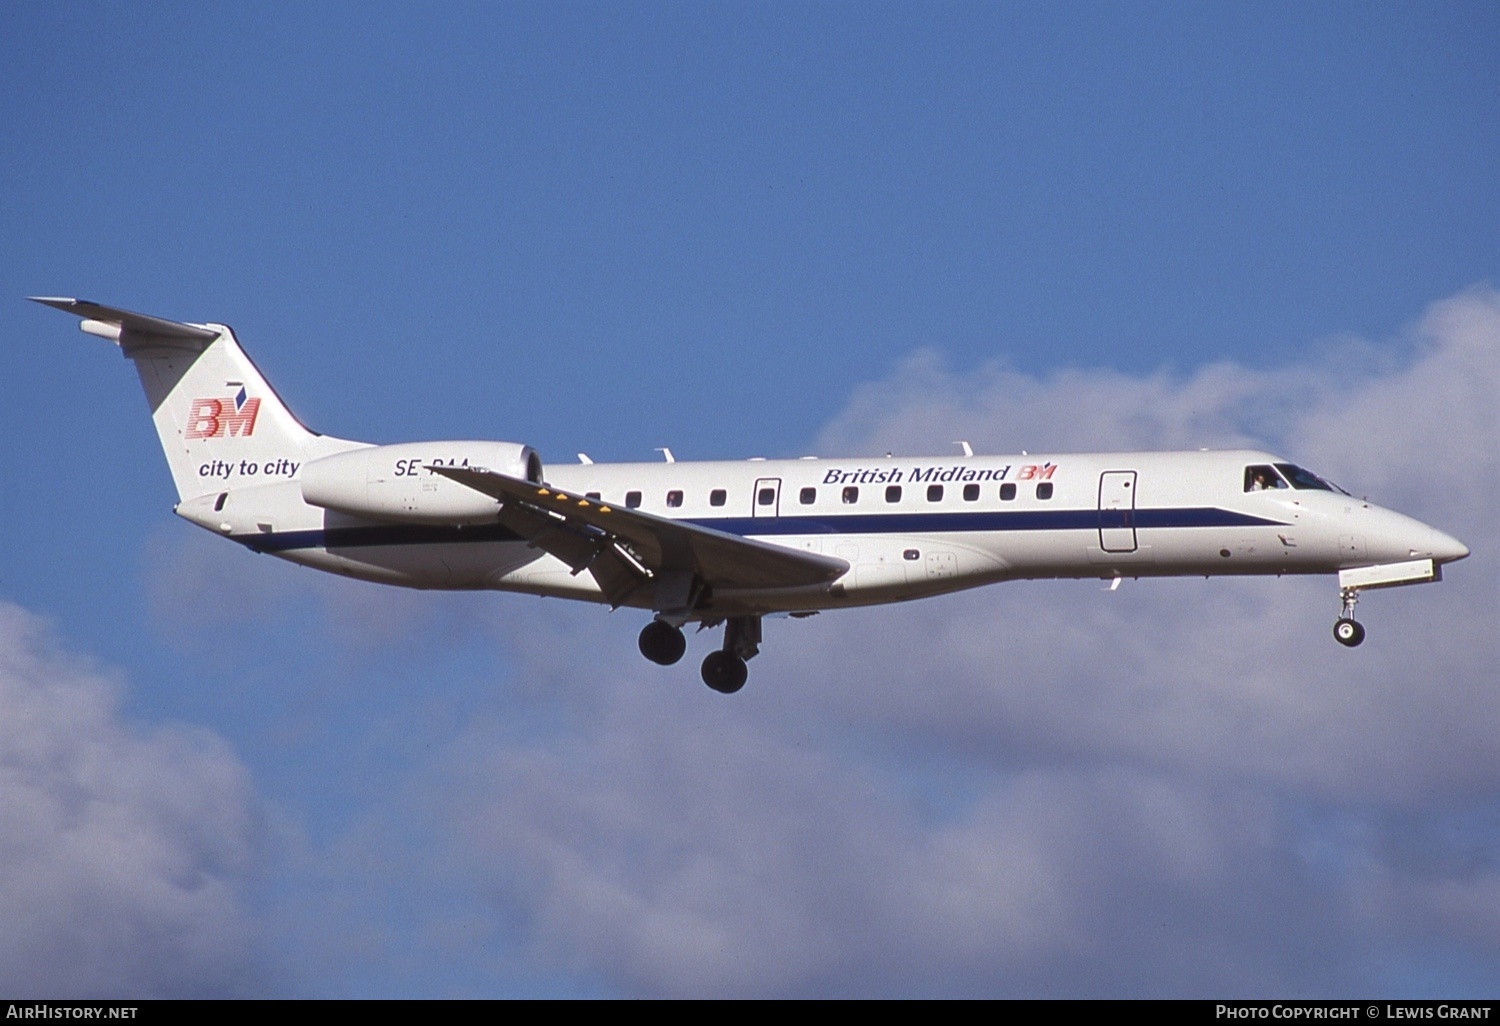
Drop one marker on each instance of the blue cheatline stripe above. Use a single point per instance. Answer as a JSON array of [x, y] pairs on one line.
[[982, 520], [370, 535]]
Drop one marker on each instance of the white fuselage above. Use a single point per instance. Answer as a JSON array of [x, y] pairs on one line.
[[907, 526]]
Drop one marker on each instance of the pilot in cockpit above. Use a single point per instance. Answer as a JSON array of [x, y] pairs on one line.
[[1262, 479]]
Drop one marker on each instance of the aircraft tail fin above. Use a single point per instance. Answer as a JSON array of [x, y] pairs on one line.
[[216, 415]]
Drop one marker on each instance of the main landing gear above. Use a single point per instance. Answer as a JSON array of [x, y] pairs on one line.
[[1346, 631], [662, 643], [724, 670]]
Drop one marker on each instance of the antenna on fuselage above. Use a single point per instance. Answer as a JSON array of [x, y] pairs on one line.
[[667, 453], [967, 448]]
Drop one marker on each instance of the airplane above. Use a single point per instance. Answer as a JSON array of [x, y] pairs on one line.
[[731, 542]]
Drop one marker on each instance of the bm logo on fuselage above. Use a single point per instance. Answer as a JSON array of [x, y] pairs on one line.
[[229, 416]]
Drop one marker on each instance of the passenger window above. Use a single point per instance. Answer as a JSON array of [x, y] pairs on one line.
[[632, 500], [674, 498], [766, 497], [717, 497], [1044, 490], [892, 493], [1262, 479], [971, 493], [1007, 491], [934, 493], [807, 496], [851, 495]]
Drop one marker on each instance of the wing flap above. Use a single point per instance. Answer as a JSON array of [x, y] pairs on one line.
[[576, 529], [614, 570]]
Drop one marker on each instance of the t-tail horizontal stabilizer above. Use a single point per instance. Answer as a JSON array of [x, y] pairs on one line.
[[119, 325]]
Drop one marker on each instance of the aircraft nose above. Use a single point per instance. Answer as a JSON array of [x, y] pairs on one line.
[[1398, 537], [1446, 548]]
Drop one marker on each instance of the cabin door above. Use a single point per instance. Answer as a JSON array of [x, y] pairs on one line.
[[1117, 511]]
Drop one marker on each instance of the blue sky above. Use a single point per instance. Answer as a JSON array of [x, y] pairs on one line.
[[738, 230]]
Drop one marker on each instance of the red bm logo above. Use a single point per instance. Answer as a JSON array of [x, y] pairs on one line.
[[221, 418]]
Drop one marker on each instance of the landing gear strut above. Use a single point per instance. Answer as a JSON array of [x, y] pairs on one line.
[[725, 671], [662, 643], [1347, 631]]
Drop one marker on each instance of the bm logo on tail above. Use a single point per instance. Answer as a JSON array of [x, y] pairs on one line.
[[223, 417]]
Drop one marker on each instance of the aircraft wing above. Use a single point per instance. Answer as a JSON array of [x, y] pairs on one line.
[[622, 548]]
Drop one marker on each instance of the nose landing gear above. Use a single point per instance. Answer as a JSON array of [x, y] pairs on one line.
[[1347, 631]]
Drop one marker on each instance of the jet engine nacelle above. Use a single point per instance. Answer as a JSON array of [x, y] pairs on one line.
[[392, 482]]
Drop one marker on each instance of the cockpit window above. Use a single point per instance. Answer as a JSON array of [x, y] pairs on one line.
[[1307, 479], [1262, 478]]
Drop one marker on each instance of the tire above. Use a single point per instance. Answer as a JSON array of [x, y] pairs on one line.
[[662, 643], [1348, 632], [724, 672]]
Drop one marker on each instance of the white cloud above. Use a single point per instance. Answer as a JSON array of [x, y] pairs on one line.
[[124, 851]]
